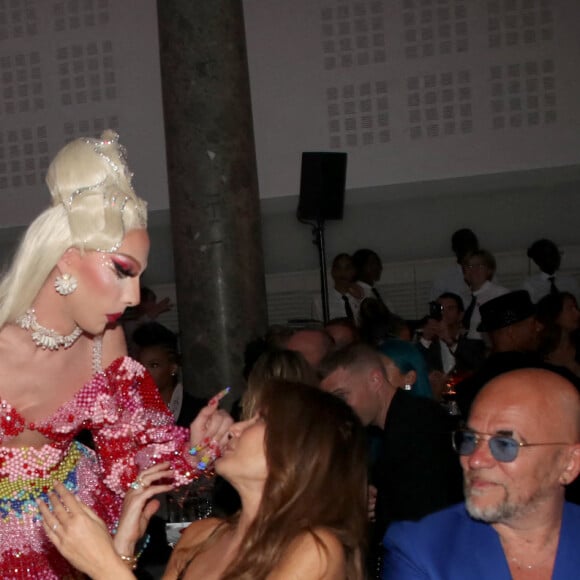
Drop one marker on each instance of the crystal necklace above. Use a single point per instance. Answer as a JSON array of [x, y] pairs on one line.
[[46, 338]]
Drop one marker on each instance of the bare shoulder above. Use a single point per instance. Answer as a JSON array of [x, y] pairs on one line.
[[193, 535], [312, 556], [197, 532], [114, 345]]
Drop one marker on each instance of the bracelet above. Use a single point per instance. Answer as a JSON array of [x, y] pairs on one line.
[[204, 459], [131, 561], [210, 455], [195, 450]]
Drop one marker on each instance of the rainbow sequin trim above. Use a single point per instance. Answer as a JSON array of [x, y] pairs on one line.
[[19, 489]]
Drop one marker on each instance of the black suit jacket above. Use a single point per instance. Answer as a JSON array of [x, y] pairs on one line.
[[417, 472]]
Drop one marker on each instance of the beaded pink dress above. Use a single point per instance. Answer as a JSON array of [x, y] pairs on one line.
[[132, 429]]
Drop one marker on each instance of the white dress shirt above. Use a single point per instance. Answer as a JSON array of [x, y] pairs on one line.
[[539, 285], [488, 291], [447, 352], [336, 306]]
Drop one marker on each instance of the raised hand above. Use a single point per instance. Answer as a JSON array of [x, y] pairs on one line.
[[139, 505], [209, 430]]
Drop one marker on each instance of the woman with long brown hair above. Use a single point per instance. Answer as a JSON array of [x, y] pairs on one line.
[[299, 467]]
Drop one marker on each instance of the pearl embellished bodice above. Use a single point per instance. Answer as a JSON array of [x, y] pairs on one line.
[[131, 428]]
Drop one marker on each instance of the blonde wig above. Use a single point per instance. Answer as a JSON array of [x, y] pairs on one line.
[[93, 206]]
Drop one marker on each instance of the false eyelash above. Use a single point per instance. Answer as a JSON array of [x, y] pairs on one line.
[[121, 271]]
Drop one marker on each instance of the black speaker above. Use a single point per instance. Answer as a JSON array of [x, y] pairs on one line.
[[322, 182]]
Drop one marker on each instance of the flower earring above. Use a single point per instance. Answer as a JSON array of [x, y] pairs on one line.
[[65, 284]]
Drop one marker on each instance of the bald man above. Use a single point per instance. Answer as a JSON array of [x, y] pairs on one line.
[[518, 452]]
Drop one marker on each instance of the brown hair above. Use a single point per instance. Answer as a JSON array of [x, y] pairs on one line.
[[317, 478], [316, 455], [285, 365], [354, 357]]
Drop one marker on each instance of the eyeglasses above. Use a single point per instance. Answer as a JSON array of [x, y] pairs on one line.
[[503, 447], [473, 266]]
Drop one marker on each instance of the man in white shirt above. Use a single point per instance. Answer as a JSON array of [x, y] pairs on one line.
[[547, 256], [478, 270], [463, 242], [345, 296]]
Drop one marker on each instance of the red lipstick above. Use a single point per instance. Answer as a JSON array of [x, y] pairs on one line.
[[114, 317]]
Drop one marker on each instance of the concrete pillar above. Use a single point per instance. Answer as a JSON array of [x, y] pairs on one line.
[[213, 186]]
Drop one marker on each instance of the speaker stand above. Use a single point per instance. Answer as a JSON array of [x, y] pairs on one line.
[[318, 233]]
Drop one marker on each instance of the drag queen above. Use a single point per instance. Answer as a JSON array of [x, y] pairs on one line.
[[63, 363]]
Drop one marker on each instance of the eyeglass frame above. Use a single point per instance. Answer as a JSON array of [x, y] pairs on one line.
[[517, 445]]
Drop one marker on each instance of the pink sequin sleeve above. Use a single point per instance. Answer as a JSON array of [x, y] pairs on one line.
[[133, 428]]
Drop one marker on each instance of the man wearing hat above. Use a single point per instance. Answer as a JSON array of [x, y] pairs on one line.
[[513, 332]]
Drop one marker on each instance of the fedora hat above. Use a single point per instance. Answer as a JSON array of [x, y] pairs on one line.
[[505, 310]]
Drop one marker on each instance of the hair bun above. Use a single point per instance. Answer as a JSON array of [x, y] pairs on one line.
[[89, 164], [91, 179]]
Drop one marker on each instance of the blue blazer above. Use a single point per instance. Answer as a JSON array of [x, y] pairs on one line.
[[449, 545]]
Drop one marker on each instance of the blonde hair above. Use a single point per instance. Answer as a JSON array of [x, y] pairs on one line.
[[93, 206]]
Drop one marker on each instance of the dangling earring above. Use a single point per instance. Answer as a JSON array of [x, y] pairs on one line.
[[408, 387], [65, 284]]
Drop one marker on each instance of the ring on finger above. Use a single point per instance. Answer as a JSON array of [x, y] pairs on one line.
[[139, 483]]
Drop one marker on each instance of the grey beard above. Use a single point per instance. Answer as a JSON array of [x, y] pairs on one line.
[[492, 514]]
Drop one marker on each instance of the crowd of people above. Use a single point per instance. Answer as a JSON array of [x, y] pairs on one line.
[[365, 446]]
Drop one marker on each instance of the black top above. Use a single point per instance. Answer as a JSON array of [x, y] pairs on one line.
[[418, 471]]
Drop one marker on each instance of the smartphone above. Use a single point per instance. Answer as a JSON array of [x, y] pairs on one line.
[[435, 310]]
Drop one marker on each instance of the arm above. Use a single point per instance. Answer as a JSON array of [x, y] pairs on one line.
[[82, 537], [399, 566], [133, 428], [154, 309], [309, 559]]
